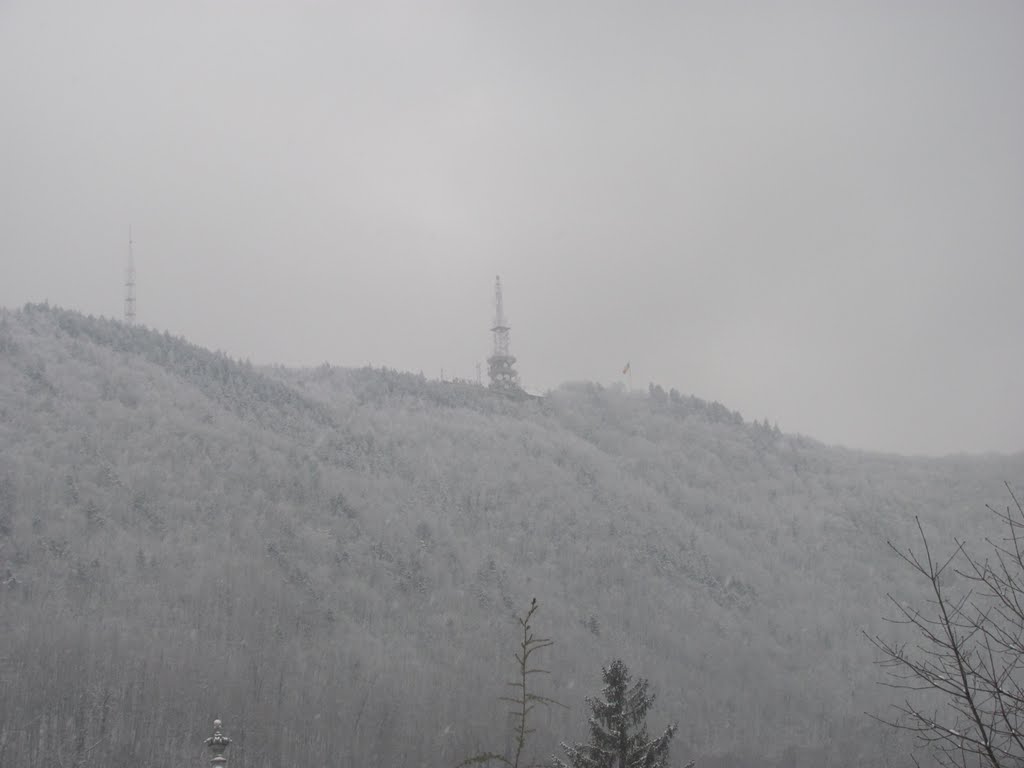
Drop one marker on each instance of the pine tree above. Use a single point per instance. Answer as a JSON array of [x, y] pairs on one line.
[[524, 701], [618, 727]]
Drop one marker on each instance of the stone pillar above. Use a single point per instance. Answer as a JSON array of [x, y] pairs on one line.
[[217, 744]]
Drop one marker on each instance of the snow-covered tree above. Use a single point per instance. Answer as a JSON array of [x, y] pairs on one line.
[[618, 727]]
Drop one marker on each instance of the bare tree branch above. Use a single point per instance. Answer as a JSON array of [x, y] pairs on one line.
[[964, 676]]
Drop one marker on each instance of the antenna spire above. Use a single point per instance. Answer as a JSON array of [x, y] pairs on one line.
[[129, 282], [501, 364]]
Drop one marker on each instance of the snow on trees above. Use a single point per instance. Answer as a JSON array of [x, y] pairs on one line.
[[618, 727]]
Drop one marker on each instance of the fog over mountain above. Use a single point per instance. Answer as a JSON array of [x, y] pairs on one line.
[[808, 211], [331, 559], [761, 267]]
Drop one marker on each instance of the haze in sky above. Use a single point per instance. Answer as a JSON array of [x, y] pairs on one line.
[[811, 212]]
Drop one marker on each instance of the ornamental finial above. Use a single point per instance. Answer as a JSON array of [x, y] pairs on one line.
[[217, 744]]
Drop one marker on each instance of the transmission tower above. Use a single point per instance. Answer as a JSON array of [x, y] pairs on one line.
[[501, 364], [129, 283]]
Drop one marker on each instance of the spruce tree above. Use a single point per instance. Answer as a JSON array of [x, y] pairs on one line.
[[524, 700], [618, 727]]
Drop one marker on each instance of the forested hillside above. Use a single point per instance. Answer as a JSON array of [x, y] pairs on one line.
[[330, 560]]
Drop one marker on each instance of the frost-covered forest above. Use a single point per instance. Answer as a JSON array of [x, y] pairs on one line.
[[331, 560]]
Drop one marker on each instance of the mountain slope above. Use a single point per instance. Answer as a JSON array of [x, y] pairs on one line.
[[330, 559]]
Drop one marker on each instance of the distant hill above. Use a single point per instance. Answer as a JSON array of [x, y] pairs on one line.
[[330, 560]]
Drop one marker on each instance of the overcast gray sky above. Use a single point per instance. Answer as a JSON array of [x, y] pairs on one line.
[[811, 212]]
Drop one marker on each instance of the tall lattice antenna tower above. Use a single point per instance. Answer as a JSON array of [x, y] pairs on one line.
[[501, 364], [129, 282]]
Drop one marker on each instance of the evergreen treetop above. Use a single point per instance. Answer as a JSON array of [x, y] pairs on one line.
[[618, 727]]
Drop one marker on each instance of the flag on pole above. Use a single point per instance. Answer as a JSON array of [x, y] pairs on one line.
[[626, 369]]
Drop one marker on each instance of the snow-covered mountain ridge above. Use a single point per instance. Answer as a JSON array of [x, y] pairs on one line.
[[329, 559]]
